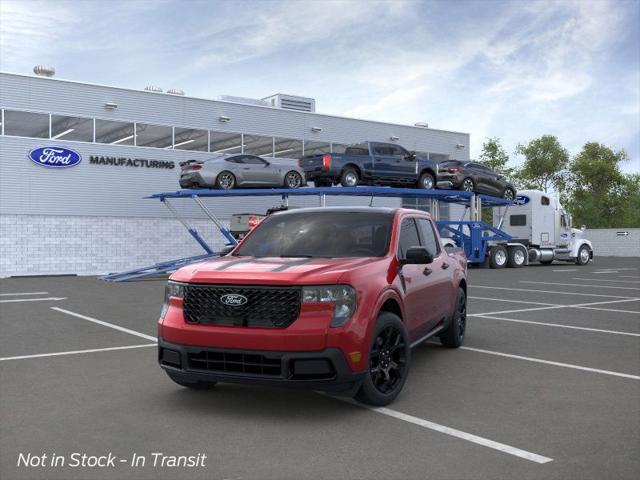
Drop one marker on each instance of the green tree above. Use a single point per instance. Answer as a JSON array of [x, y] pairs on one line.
[[545, 164], [599, 194], [494, 156]]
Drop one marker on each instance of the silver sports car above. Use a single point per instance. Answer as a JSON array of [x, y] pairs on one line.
[[231, 171]]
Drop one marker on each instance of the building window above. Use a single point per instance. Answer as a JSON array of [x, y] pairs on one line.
[[227, 143], [71, 128], [26, 124], [258, 145], [287, 148], [156, 136], [316, 148], [191, 139], [115, 133]]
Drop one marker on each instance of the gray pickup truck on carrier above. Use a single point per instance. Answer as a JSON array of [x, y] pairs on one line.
[[371, 163]]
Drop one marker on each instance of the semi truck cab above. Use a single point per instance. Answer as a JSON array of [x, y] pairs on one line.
[[539, 222]]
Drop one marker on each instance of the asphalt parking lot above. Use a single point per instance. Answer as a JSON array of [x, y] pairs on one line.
[[547, 386]]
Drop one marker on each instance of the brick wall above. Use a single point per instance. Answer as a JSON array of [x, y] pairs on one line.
[[44, 245], [607, 242]]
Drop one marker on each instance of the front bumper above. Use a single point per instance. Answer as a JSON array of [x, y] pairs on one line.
[[326, 370]]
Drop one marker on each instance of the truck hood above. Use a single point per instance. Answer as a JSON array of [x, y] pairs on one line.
[[270, 270]]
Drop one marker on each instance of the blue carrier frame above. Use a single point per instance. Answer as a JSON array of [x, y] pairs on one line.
[[474, 235]]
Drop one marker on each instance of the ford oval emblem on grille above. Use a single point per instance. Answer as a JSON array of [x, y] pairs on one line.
[[233, 299]]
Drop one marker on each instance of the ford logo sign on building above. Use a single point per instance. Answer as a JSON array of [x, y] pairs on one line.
[[55, 157], [233, 299]]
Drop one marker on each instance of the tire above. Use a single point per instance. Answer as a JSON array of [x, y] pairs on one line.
[[192, 385], [225, 180], [389, 358], [584, 255], [453, 336], [349, 178], [517, 257], [293, 180], [468, 185], [509, 194], [498, 257], [426, 182]]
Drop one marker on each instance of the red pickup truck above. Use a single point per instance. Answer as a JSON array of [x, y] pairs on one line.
[[331, 299]]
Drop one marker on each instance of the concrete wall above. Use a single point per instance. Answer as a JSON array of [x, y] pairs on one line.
[[607, 242]]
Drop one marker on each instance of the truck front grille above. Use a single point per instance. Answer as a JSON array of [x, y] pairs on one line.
[[231, 362], [242, 305]]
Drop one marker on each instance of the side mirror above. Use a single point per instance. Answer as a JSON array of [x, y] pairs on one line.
[[583, 227], [417, 256], [411, 156], [226, 250]]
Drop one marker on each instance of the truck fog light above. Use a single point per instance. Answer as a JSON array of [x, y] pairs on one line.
[[343, 298], [172, 289]]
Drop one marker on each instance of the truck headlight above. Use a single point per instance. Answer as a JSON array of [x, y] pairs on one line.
[[172, 289], [343, 298]]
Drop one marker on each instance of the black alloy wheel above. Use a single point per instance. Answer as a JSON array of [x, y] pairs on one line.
[[387, 360], [508, 194], [293, 179], [226, 180], [453, 336], [467, 185]]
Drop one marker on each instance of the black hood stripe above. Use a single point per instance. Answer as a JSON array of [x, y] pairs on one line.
[[292, 264], [233, 263]]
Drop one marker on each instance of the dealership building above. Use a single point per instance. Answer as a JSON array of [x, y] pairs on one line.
[[92, 217]]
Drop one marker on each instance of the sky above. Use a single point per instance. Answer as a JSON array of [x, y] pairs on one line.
[[514, 69]]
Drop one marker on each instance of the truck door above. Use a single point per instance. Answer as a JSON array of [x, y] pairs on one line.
[[391, 163], [383, 161], [564, 232], [421, 306]]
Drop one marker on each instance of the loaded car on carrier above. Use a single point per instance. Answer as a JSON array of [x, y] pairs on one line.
[[331, 299]]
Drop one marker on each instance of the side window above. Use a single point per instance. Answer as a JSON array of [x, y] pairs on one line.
[[382, 150], [408, 237], [398, 151], [253, 160], [563, 221], [517, 220], [544, 200], [238, 159], [429, 240]]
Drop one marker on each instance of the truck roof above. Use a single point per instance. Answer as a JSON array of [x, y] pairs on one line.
[[355, 209]]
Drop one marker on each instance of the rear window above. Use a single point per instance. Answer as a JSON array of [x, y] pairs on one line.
[[357, 149], [321, 234]]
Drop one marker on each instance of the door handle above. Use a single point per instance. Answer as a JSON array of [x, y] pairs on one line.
[[246, 168], [427, 271], [445, 266]]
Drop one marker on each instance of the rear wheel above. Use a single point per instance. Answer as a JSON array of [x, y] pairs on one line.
[[192, 385], [389, 357], [468, 185], [517, 257], [584, 254], [426, 181], [453, 336], [498, 257], [508, 194], [293, 179], [225, 180], [349, 178]]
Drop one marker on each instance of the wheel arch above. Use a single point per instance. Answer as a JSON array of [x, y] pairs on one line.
[[355, 167], [430, 171]]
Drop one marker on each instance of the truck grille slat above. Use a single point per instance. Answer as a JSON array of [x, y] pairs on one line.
[[265, 307], [216, 361]]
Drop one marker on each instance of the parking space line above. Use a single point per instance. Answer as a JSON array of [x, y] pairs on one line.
[[581, 285], [556, 364], [469, 437], [629, 276], [566, 270], [513, 301], [551, 291], [76, 352], [44, 299], [106, 324], [577, 305], [22, 293], [605, 280], [545, 324]]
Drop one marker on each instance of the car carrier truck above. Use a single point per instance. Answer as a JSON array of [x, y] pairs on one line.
[[540, 231]]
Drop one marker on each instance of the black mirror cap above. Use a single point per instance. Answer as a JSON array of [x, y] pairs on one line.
[[226, 250], [417, 256]]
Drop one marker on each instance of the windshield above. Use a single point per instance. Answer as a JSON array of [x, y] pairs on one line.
[[320, 234]]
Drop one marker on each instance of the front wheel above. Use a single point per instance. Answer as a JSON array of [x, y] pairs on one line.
[[453, 336], [389, 357], [293, 179], [426, 181], [468, 185], [584, 255]]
